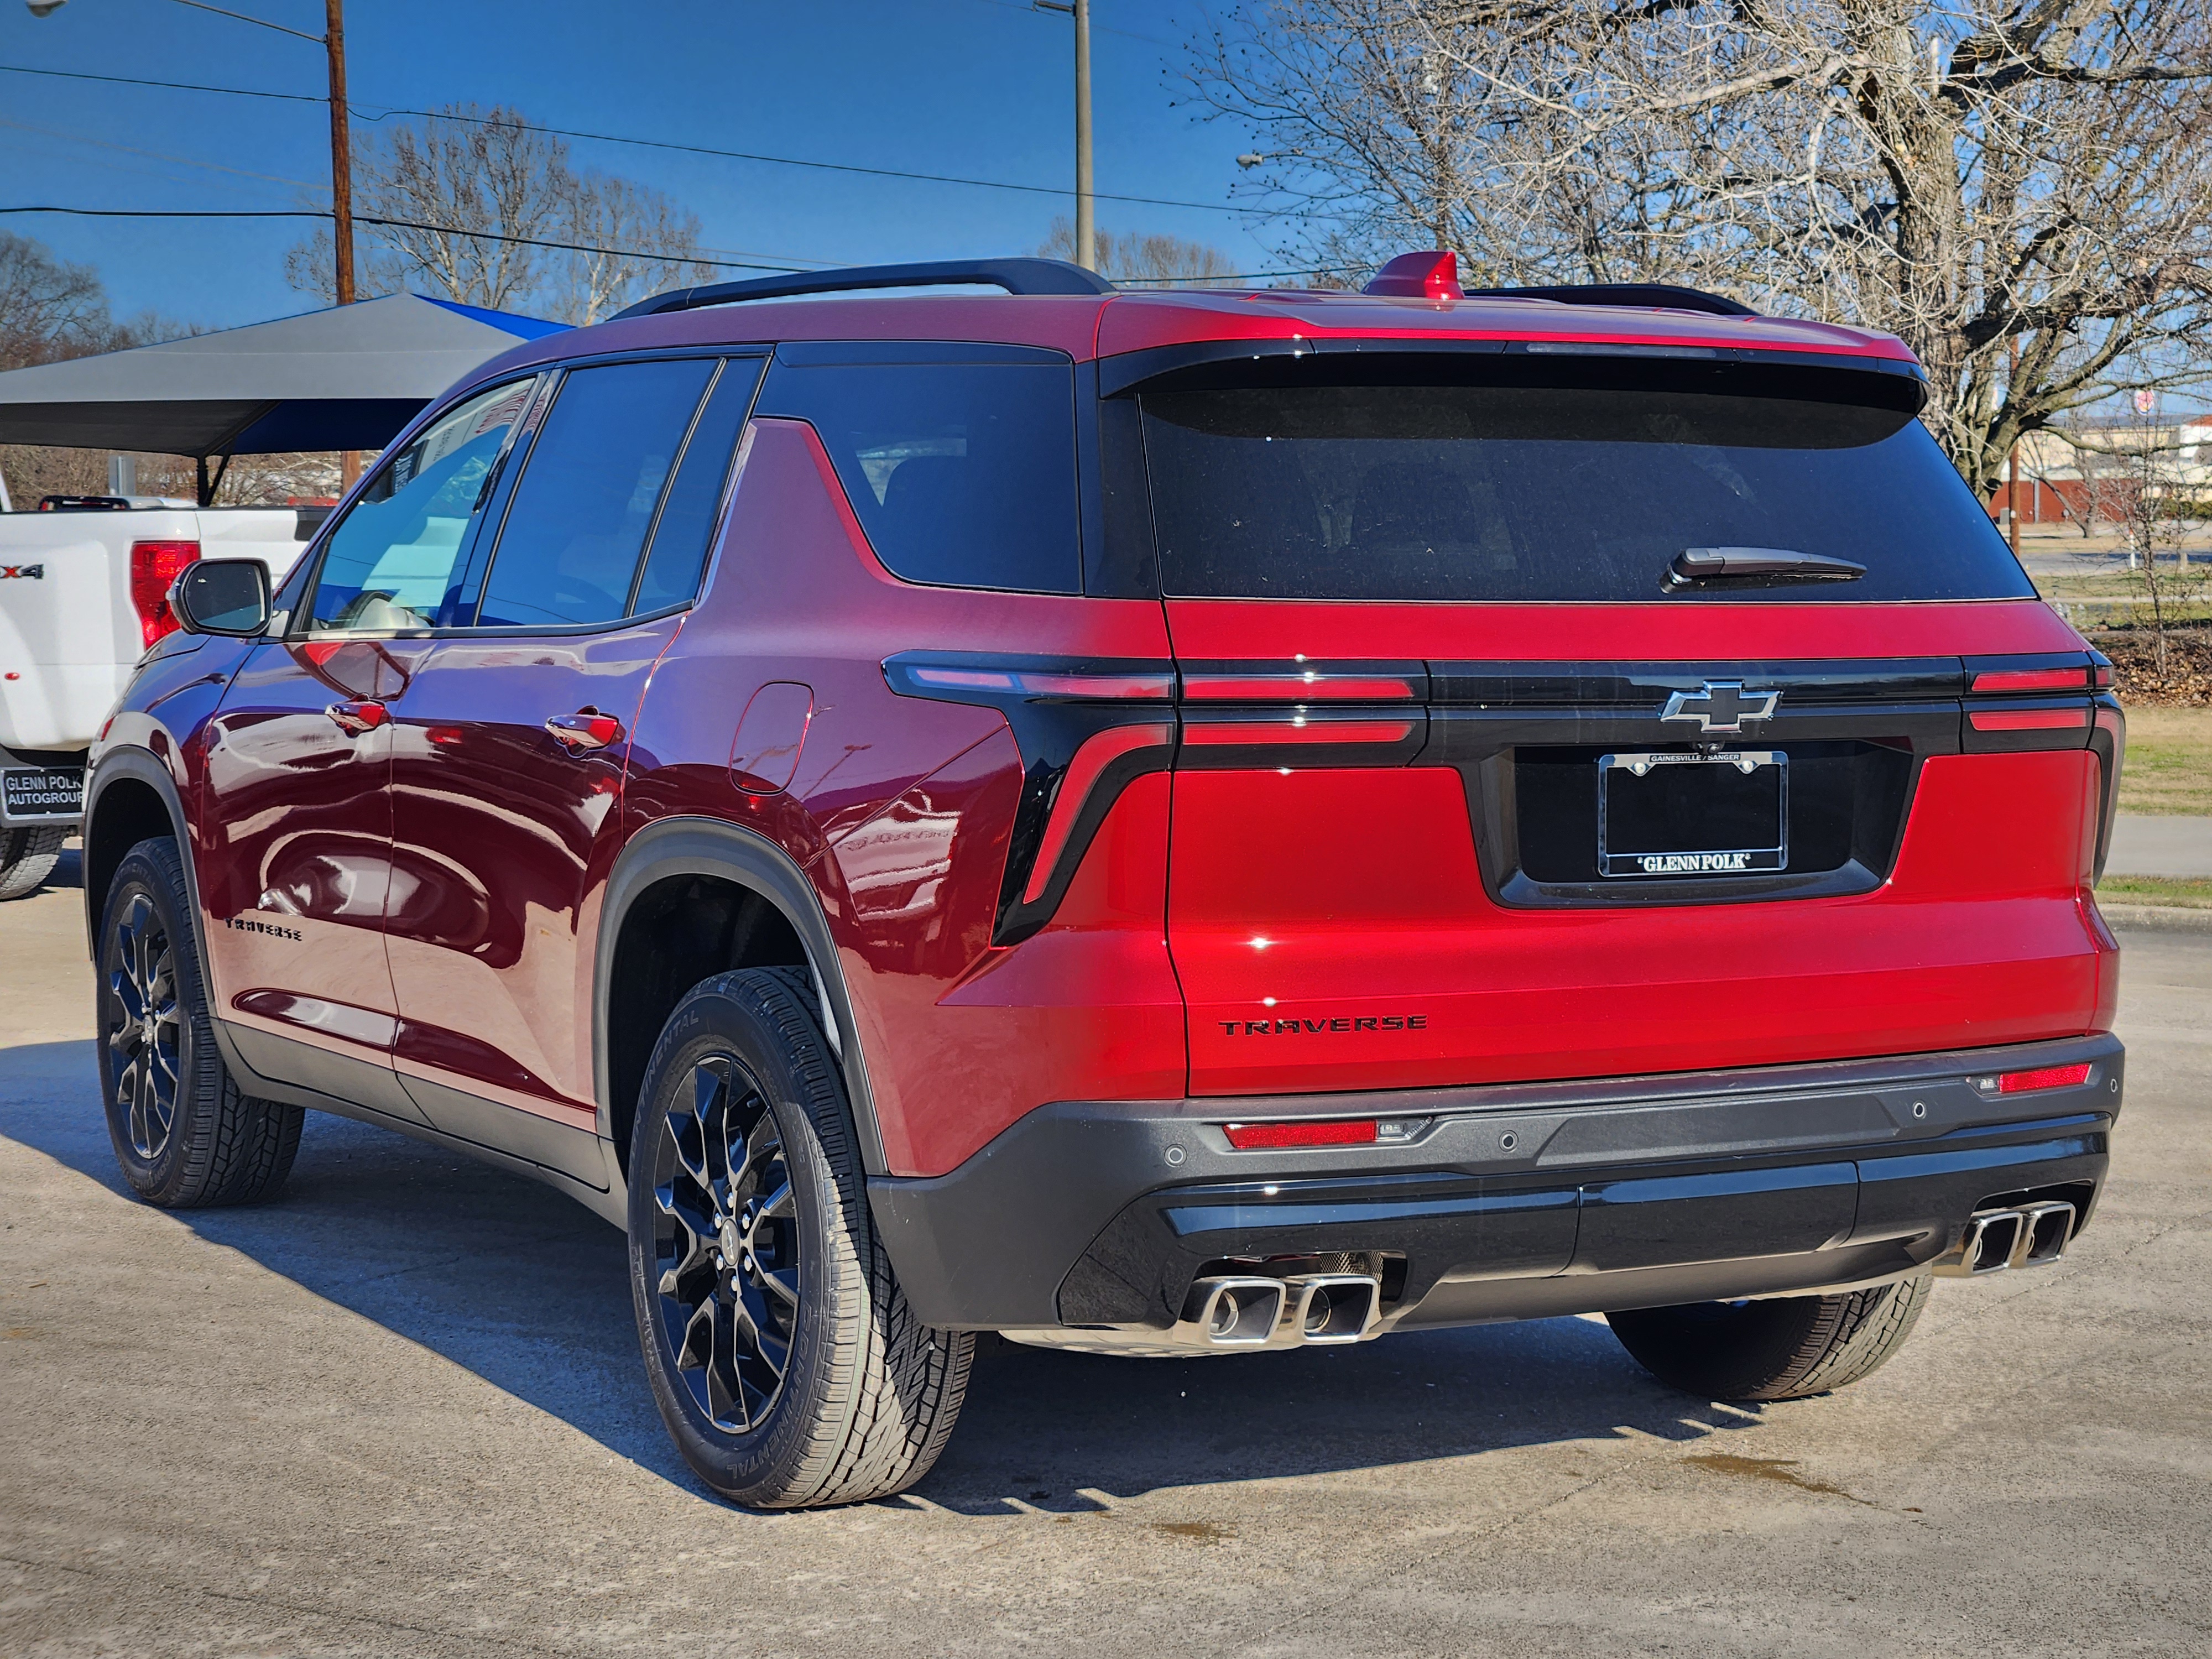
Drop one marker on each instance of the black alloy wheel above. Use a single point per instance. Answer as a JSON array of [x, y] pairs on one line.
[[143, 1040], [781, 1354], [726, 1245], [185, 1134]]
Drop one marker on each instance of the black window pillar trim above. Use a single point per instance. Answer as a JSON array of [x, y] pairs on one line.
[[694, 846]]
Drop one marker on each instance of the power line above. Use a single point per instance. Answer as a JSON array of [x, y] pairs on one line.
[[405, 224], [1158, 283], [653, 143]]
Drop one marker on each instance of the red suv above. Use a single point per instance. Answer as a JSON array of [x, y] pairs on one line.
[[1164, 823]]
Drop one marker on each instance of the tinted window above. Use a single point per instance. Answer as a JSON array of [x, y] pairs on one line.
[[1537, 492], [686, 530], [590, 485], [963, 474], [390, 561]]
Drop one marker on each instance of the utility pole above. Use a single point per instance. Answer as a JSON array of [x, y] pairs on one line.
[[341, 194], [1086, 228], [341, 150], [332, 40]]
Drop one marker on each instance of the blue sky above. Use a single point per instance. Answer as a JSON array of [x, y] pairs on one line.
[[978, 87]]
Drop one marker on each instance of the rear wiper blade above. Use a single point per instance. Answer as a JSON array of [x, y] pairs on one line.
[[1754, 566]]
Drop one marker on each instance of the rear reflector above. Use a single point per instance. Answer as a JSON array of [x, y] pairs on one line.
[[154, 566], [2031, 679], [1341, 1132], [2047, 1077], [2028, 719]]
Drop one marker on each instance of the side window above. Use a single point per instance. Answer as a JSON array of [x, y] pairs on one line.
[[962, 473], [390, 561], [685, 531], [594, 480]]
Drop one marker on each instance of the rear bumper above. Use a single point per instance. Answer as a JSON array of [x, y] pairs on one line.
[[1507, 1202]]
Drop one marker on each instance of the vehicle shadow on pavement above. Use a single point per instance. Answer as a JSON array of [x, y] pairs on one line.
[[523, 1287]]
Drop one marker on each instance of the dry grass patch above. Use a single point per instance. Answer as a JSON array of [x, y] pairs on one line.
[[2179, 892], [2169, 762]]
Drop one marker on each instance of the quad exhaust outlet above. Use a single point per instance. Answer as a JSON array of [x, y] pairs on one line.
[[2019, 1236]]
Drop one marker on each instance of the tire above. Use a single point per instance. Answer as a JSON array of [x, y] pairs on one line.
[[787, 1364], [1785, 1349], [184, 1133], [27, 857]]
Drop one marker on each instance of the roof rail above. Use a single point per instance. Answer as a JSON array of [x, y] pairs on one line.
[[1666, 296], [1015, 276]]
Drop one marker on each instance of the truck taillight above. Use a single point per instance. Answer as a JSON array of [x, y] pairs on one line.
[[153, 567]]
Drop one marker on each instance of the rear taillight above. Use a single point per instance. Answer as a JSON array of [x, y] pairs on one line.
[[153, 567], [2043, 1077], [2070, 678]]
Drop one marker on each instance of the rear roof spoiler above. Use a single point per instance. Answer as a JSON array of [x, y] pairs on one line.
[[1664, 294], [1020, 275]]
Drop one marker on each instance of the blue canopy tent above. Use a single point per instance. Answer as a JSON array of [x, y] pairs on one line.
[[348, 378]]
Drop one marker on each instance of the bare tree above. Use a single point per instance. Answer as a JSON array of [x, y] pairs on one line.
[[472, 197], [1962, 172], [1154, 260], [50, 310]]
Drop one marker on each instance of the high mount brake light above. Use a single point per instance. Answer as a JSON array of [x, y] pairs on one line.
[[2044, 1077], [1335, 1132], [1432, 275], [154, 566]]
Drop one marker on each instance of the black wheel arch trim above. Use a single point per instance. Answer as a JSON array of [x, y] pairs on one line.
[[692, 846], [140, 766]]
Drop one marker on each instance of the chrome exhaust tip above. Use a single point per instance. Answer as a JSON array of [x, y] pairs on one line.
[[1235, 1313], [1330, 1309], [2025, 1235], [2044, 1231], [1985, 1247]]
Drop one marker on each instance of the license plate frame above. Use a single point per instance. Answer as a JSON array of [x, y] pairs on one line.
[[1630, 818], [41, 795]]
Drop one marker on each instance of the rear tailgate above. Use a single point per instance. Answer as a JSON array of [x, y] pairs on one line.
[[1475, 784], [1371, 895]]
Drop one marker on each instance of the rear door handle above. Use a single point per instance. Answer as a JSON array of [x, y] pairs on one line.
[[357, 718], [585, 730]]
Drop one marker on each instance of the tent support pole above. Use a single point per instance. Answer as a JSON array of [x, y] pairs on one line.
[[208, 485]]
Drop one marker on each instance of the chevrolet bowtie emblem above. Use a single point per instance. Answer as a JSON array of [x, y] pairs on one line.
[[1721, 706]]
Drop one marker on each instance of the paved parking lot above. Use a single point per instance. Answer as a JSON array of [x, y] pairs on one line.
[[400, 1411]]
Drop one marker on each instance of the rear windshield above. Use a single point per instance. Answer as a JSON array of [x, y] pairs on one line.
[[1530, 492]]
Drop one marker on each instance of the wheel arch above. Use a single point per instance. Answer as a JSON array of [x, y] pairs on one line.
[[778, 921], [130, 798]]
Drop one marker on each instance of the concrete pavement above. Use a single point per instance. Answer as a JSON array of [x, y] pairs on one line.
[[2143, 845], [400, 1411]]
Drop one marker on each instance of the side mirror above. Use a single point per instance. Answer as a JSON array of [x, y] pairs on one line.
[[228, 597]]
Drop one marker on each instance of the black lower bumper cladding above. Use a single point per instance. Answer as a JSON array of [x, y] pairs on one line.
[[1507, 1202]]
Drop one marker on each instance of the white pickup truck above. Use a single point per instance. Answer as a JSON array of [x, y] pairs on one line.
[[84, 592]]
